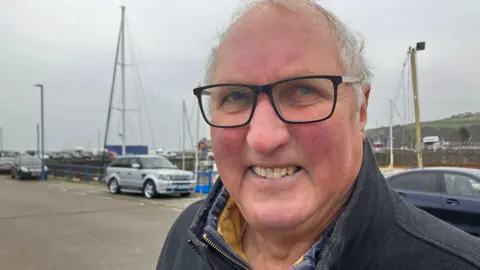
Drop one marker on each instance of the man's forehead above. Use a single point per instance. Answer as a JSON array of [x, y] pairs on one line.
[[273, 17], [275, 43]]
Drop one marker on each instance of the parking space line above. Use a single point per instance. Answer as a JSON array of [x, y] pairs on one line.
[[156, 203], [175, 205], [139, 203]]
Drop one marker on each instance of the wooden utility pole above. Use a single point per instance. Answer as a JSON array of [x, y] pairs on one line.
[[418, 128]]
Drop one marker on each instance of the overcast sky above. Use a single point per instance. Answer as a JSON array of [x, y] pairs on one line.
[[69, 46]]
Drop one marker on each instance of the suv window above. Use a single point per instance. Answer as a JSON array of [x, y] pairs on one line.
[[116, 163], [156, 163], [422, 182], [461, 185], [127, 162], [121, 163]]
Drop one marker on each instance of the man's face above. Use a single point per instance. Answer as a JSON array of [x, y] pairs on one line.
[[264, 47]]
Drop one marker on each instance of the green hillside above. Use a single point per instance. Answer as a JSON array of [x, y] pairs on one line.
[[447, 129], [454, 122]]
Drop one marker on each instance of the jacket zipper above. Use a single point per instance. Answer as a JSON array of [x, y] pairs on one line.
[[224, 254]]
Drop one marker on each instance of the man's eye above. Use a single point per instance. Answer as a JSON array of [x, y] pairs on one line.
[[235, 97], [302, 94], [305, 90]]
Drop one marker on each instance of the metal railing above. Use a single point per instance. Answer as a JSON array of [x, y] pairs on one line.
[[88, 173]]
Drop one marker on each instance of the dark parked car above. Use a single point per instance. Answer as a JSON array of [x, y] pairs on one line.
[[6, 164], [27, 167], [451, 194]]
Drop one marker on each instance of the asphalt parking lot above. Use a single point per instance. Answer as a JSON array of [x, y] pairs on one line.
[[62, 225]]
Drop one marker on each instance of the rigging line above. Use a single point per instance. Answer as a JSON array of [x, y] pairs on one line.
[[139, 61], [147, 111], [402, 79], [404, 126], [399, 88], [132, 129], [140, 89], [398, 114], [118, 127], [409, 96], [135, 86], [141, 69], [137, 100]]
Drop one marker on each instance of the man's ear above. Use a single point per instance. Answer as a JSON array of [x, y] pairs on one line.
[[363, 109]]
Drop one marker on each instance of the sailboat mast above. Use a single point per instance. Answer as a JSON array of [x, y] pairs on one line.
[[112, 90], [124, 101]]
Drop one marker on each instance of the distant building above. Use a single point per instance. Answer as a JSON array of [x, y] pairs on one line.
[[430, 140]]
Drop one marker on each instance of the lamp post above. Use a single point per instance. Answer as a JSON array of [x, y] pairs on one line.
[[418, 129], [38, 140], [42, 130]]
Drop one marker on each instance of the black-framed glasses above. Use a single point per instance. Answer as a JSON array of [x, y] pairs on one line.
[[298, 100]]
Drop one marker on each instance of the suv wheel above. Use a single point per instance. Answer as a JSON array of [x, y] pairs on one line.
[[149, 189], [113, 186]]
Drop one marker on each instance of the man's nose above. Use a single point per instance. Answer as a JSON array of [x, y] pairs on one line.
[[267, 131]]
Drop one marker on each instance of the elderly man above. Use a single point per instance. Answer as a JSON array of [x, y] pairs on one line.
[[299, 188]]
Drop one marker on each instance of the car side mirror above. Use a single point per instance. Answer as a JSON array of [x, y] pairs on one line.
[[175, 166], [136, 166]]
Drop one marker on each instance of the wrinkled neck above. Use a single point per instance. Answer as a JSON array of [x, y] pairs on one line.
[[283, 248]]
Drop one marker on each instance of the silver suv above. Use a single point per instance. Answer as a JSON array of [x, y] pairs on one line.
[[149, 174]]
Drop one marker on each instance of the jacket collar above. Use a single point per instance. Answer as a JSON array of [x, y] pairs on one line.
[[361, 228], [356, 233]]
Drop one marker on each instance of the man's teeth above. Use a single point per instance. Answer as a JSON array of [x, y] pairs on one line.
[[273, 173]]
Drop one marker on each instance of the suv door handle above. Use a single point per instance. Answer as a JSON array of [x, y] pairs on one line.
[[452, 201], [129, 173], [402, 195]]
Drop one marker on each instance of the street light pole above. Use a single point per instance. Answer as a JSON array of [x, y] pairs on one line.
[[42, 130], [418, 128], [38, 140]]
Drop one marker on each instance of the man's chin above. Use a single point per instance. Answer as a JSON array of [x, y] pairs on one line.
[[276, 218]]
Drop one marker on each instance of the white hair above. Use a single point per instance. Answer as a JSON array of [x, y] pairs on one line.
[[350, 45]]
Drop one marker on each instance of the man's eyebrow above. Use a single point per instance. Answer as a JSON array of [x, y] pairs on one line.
[[278, 77]]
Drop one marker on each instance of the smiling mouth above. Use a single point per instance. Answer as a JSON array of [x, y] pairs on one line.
[[275, 173]]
